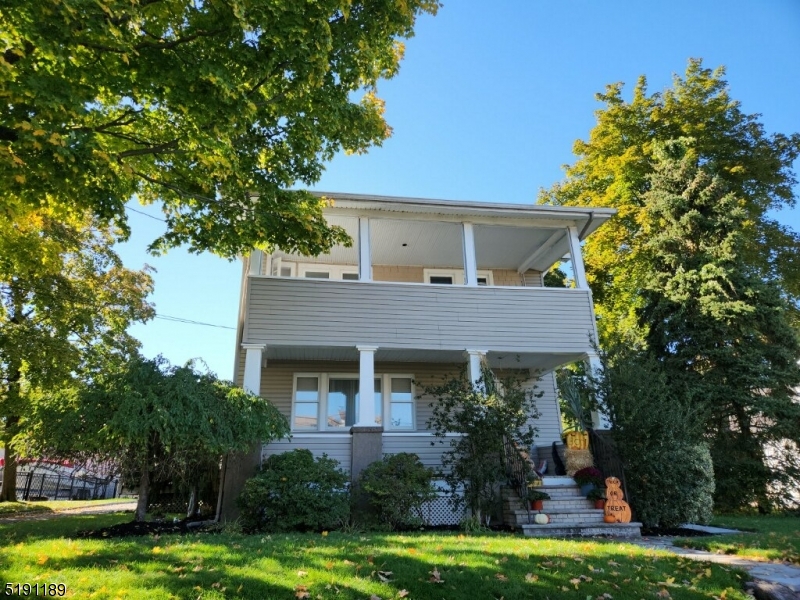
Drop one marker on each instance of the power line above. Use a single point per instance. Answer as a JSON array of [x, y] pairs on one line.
[[144, 214], [191, 322]]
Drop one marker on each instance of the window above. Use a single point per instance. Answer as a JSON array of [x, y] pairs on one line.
[[317, 275], [324, 402], [335, 397], [455, 276], [306, 403], [321, 271], [401, 403]]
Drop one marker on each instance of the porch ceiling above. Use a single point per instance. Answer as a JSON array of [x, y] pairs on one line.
[[405, 242], [497, 360]]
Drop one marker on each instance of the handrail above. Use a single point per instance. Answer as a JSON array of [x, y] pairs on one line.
[[517, 469]]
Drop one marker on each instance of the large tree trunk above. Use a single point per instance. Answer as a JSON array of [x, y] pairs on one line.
[[9, 492], [144, 490]]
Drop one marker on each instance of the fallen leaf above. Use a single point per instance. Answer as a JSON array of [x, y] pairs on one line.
[[402, 593], [384, 575], [436, 577], [663, 593], [501, 577], [531, 577], [302, 573], [301, 592]]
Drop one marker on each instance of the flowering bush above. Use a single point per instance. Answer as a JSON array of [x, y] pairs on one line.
[[588, 475]]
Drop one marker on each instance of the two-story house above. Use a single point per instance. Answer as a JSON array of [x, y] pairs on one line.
[[343, 343]]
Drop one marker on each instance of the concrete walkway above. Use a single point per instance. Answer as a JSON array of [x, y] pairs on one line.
[[100, 509], [779, 574]]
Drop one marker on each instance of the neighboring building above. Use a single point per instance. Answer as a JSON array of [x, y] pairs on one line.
[[427, 287]]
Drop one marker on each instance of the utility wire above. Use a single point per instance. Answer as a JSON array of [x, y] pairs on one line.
[[144, 214], [191, 322]]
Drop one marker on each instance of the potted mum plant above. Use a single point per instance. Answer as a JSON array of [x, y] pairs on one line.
[[598, 496], [588, 478], [536, 499]]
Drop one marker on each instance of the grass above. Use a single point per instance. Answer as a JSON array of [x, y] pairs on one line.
[[348, 566], [770, 538], [11, 508]]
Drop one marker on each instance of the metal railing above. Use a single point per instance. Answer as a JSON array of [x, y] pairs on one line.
[[607, 458], [42, 486], [517, 469]]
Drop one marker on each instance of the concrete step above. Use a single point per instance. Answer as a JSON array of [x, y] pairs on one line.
[[558, 503], [577, 517], [557, 480], [622, 530]]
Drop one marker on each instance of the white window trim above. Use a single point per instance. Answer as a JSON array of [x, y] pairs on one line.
[[275, 264], [456, 274], [335, 272], [322, 402]]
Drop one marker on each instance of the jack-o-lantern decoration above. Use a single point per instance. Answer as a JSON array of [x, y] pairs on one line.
[[616, 506], [577, 440]]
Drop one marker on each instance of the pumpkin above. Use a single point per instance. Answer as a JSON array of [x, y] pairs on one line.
[[616, 508], [541, 519]]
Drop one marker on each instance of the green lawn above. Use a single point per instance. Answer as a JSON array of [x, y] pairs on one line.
[[344, 566], [9, 508], [773, 538]]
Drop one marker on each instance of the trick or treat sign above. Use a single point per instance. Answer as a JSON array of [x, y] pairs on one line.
[[615, 503]]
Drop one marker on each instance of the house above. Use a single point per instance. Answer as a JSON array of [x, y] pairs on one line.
[[342, 343]]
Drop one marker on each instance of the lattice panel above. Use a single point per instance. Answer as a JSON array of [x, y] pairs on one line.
[[439, 512]]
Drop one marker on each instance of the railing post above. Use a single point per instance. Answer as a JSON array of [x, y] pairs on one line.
[[28, 482]]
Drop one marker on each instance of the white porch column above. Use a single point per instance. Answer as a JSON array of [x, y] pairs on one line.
[[366, 386], [256, 257], [252, 367], [595, 367], [470, 262], [475, 359], [577, 258], [364, 251]]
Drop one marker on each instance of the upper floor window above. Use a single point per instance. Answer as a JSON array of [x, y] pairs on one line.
[[455, 276]]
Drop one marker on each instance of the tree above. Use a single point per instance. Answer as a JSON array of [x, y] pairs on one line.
[[214, 108], [613, 168], [153, 420], [65, 304], [485, 414], [715, 324]]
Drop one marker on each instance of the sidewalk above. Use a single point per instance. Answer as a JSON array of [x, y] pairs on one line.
[[122, 505], [778, 574]]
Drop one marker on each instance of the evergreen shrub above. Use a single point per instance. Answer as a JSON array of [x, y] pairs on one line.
[[294, 491]]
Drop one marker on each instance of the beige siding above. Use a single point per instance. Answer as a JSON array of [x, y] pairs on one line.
[[277, 381], [401, 274], [299, 312]]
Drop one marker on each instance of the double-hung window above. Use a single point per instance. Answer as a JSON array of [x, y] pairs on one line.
[[330, 402]]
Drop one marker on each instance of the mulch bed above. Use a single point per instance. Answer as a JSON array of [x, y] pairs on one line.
[[672, 532], [134, 528]]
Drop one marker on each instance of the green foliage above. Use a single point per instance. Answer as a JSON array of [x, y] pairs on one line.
[[575, 401], [613, 169], [658, 434], [154, 421], [66, 302], [534, 495], [295, 491], [484, 414], [397, 486], [693, 270], [215, 109]]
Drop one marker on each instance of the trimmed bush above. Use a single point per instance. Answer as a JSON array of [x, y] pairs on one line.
[[397, 487], [295, 492]]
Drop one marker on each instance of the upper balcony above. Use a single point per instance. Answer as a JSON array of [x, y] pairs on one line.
[[425, 280]]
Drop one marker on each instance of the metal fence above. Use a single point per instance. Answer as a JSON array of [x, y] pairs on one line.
[[41, 486]]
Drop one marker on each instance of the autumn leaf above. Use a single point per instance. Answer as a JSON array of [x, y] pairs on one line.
[[530, 577], [301, 592], [575, 581], [663, 593], [436, 577], [402, 593], [501, 577], [384, 575]]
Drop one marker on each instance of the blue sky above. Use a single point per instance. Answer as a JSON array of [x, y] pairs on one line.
[[486, 107]]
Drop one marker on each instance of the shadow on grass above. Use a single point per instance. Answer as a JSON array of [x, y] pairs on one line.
[[427, 566]]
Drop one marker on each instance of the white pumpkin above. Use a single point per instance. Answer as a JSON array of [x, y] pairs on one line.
[[541, 519]]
